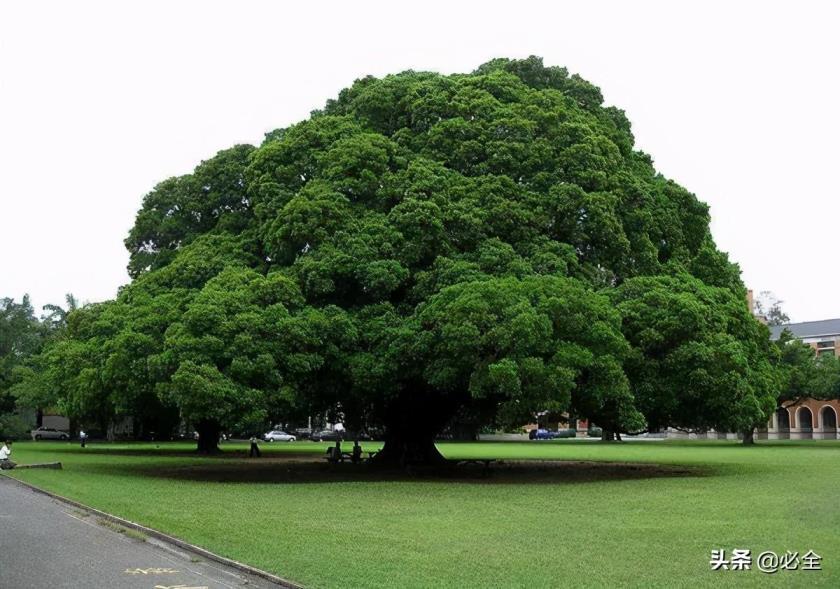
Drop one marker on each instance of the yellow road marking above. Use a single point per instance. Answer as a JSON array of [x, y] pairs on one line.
[[151, 571]]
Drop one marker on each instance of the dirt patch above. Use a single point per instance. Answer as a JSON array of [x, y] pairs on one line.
[[302, 469]]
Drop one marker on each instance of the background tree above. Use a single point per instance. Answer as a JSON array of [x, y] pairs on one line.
[[22, 337], [56, 316], [770, 307]]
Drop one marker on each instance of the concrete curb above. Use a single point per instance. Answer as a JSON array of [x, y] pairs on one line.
[[280, 581]]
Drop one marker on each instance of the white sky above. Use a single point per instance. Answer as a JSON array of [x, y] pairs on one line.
[[99, 101]]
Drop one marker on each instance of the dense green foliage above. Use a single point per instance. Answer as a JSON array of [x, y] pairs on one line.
[[617, 526], [802, 373], [21, 336], [696, 350], [426, 246]]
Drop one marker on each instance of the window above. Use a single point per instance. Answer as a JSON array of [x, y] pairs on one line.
[[826, 352]]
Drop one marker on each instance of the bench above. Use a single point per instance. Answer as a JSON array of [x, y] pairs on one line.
[[332, 458], [485, 462]]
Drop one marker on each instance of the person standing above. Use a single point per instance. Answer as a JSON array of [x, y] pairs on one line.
[[5, 452], [255, 448], [82, 437]]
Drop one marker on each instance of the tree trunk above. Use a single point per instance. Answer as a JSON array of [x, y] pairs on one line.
[[749, 438], [412, 420], [208, 437], [409, 450]]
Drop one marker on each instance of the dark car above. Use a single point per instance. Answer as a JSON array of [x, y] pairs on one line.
[[326, 435], [541, 434], [302, 433]]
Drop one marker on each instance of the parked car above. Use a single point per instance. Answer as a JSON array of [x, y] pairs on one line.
[[49, 433], [326, 435], [278, 436], [541, 434], [302, 433]]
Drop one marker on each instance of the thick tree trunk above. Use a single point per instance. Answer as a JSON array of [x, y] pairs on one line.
[[749, 438], [412, 421], [208, 437], [402, 450]]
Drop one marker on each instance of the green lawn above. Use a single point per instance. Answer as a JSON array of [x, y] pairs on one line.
[[567, 525]]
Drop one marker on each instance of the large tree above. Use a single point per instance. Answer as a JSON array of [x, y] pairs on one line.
[[423, 246]]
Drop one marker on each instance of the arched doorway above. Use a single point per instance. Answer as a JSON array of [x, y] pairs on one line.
[[783, 423], [805, 422], [828, 422]]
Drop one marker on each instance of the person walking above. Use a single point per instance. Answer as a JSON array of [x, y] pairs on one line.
[[5, 452], [255, 448]]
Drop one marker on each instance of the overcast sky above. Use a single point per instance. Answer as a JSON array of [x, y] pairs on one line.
[[99, 101]]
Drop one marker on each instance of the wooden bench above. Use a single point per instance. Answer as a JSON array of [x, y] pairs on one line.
[[486, 462], [331, 457]]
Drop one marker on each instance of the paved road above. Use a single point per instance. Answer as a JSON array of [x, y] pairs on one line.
[[45, 544]]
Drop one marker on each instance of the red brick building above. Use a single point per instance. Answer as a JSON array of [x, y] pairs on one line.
[[808, 418]]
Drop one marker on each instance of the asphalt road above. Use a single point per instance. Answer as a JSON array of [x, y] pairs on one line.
[[45, 544]]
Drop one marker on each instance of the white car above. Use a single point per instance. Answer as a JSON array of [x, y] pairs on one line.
[[278, 436], [49, 433]]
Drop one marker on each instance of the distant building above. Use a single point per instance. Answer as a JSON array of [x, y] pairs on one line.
[[808, 418], [822, 336]]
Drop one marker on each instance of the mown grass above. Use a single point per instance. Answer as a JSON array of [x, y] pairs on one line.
[[616, 524]]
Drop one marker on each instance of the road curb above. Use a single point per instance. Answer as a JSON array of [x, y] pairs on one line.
[[280, 581]]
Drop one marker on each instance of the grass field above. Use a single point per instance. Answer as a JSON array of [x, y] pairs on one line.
[[647, 515]]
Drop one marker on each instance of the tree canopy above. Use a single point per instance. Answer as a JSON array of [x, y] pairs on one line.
[[427, 244], [23, 338]]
